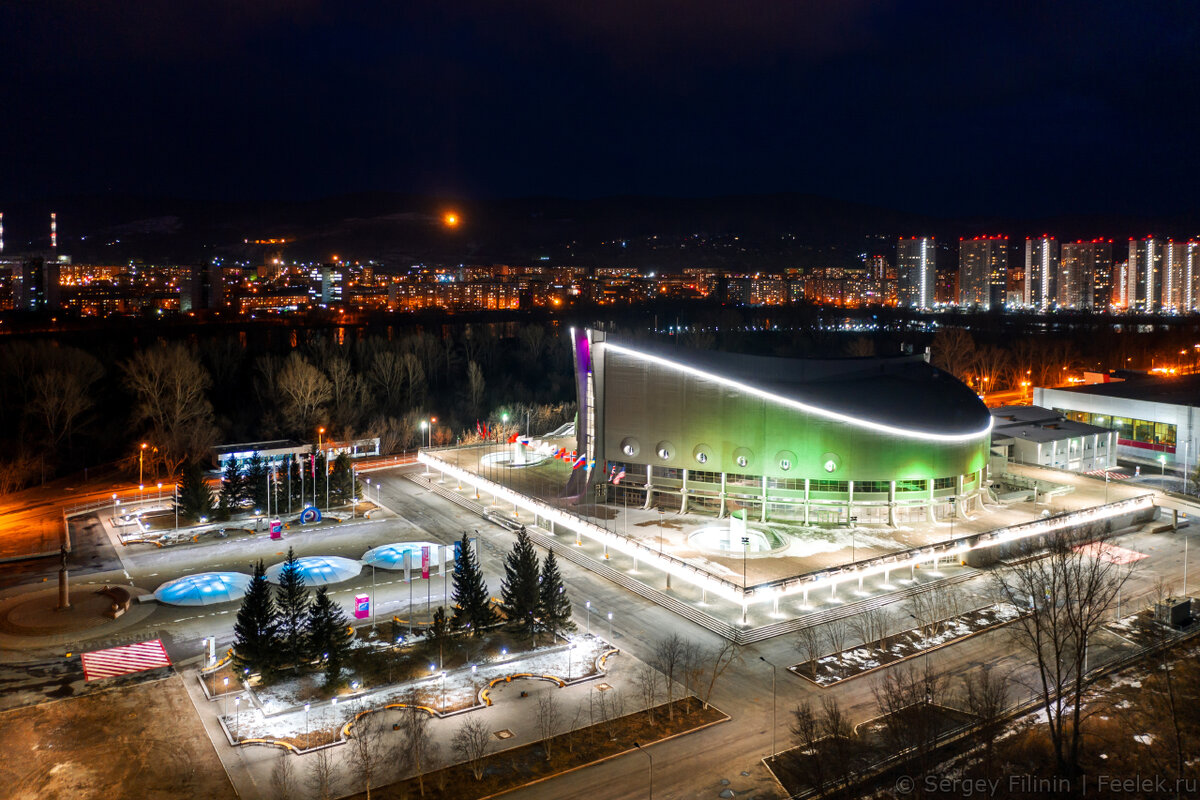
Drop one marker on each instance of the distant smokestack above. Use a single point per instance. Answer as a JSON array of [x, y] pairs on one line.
[[53, 231]]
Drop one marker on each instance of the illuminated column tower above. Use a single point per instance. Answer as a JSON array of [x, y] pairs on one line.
[[1, 231], [53, 231], [1041, 271]]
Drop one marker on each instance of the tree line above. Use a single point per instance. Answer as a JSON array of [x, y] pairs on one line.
[[80, 406]]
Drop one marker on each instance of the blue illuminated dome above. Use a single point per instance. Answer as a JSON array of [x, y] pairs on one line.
[[320, 570], [391, 556], [203, 589]]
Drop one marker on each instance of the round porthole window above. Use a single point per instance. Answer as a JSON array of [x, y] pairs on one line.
[[743, 457], [630, 447], [786, 459], [665, 450], [701, 453], [830, 462]]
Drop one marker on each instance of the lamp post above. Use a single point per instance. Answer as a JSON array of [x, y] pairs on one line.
[[610, 636], [774, 721], [237, 716], [443, 691], [141, 456], [225, 693], [588, 606], [306, 707], [647, 752]]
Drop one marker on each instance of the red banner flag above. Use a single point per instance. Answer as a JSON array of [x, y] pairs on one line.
[[425, 562]]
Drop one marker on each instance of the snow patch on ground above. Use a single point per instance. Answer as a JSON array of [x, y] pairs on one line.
[[282, 717]]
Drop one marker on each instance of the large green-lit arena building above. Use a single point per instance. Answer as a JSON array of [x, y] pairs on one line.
[[887, 440]]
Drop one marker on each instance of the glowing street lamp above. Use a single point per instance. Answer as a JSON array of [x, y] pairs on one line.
[[141, 456]]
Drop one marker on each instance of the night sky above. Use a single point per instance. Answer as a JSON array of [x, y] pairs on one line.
[[955, 108]]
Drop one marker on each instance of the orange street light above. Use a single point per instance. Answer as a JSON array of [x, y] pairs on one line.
[[141, 456], [450, 219]]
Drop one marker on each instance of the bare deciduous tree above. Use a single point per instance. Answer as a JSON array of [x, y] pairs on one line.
[[367, 754], [416, 749], [168, 385], [715, 661], [810, 646], [985, 694], [872, 626], [549, 719], [952, 350], [471, 741], [322, 777], [475, 385], [1069, 591], [836, 632], [283, 776], [647, 682], [669, 656], [905, 696], [303, 392]]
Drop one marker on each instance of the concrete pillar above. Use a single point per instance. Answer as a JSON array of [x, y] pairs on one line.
[[649, 488], [806, 501], [892, 504], [762, 517], [849, 500], [683, 502], [721, 510], [929, 515]]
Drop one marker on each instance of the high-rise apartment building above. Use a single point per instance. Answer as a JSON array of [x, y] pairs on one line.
[[1191, 278], [916, 270], [1145, 272], [1084, 273], [1175, 276], [982, 271], [1041, 272]]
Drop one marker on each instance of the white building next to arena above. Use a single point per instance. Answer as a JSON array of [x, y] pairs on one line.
[[1154, 418]]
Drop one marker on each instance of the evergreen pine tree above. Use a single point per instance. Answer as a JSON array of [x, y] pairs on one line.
[[439, 633], [324, 491], [342, 486], [472, 604], [291, 596], [254, 632], [231, 485], [554, 607], [294, 472], [254, 483], [195, 496], [328, 635], [519, 589]]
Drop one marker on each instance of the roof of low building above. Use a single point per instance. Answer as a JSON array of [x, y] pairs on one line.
[[1037, 424], [1183, 390]]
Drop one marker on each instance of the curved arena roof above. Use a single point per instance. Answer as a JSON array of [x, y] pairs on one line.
[[901, 395]]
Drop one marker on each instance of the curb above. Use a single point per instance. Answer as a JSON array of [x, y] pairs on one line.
[[927, 650]]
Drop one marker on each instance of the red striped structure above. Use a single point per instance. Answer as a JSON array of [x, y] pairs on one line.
[[123, 660]]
